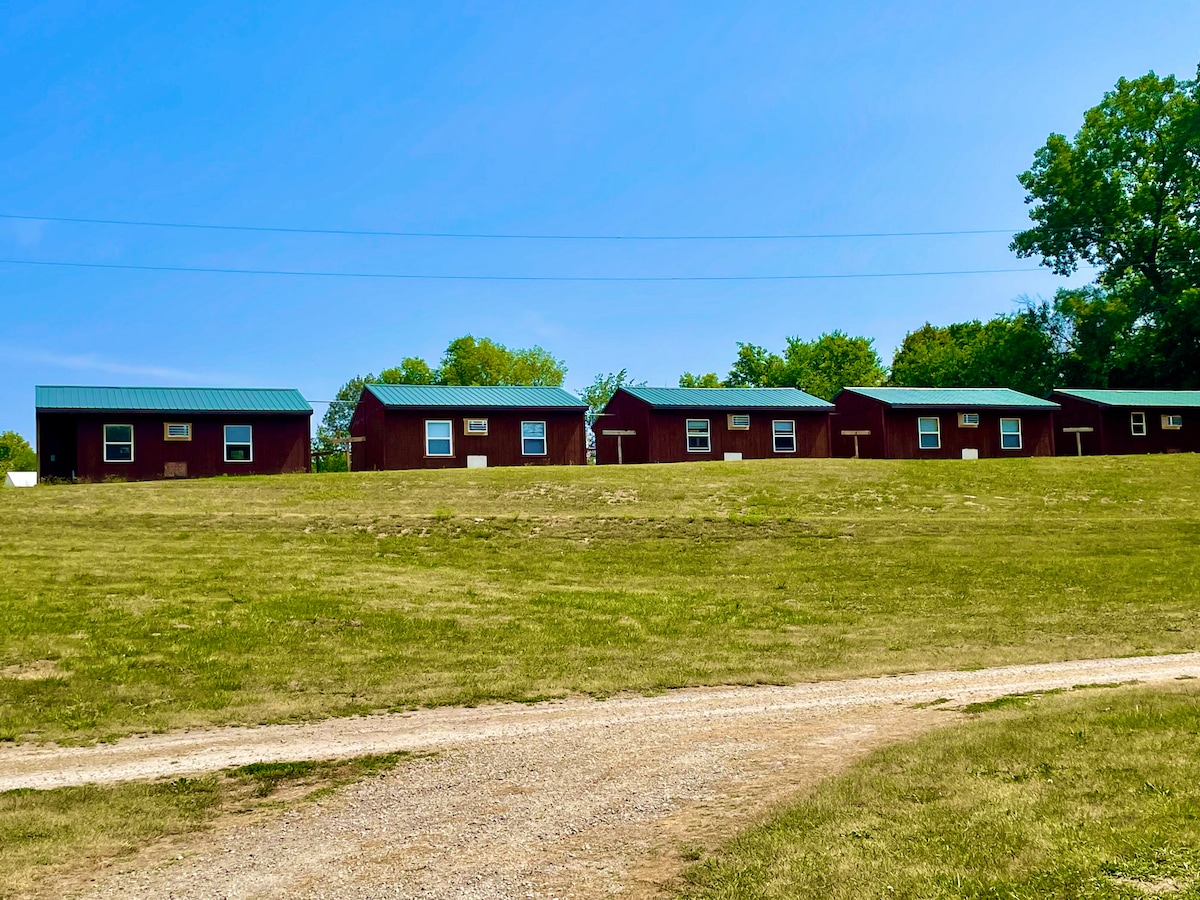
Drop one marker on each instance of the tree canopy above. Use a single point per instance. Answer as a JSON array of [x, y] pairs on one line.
[[707, 380], [15, 454], [468, 361], [1016, 351], [821, 367], [1124, 197]]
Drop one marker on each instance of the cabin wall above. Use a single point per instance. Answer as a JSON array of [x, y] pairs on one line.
[[623, 413], [75, 440], [369, 423], [662, 433], [858, 413], [395, 438], [1037, 433], [1077, 413], [668, 434]]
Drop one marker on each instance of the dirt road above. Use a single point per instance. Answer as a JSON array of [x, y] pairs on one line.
[[571, 799]]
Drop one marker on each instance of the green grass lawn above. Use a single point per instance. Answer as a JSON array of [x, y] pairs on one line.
[[129, 607], [1086, 795], [66, 833]]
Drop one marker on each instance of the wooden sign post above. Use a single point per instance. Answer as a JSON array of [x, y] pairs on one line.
[[1083, 429], [856, 435], [618, 434]]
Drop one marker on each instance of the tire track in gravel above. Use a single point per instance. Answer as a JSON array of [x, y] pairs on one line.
[[570, 799]]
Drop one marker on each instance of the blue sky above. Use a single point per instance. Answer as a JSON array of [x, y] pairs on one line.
[[549, 118]]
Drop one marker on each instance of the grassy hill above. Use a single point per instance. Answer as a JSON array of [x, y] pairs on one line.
[[1077, 796], [127, 607]]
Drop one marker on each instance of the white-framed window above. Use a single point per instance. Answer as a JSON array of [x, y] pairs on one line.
[[239, 443], [783, 435], [533, 438], [1137, 424], [929, 433], [118, 443], [968, 420], [1010, 434], [438, 441], [739, 422], [1172, 422], [697, 436], [478, 427], [177, 431]]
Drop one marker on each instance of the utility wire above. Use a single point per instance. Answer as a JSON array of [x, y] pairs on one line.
[[404, 276], [471, 235]]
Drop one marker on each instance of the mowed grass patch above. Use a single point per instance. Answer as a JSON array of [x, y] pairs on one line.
[[61, 836], [1080, 795], [132, 607]]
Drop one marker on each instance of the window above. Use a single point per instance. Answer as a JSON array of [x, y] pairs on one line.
[[929, 433], [475, 426], [968, 420], [1172, 423], [697, 436], [783, 433], [1137, 424], [239, 443], [437, 439], [118, 443], [533, 438], [1010, 434], [177, 431], [739, 422]]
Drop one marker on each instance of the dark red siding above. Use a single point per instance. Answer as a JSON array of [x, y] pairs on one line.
[[395, 437], [894, 431], [71, 445], [858, 413], [662, 433], [1113, 430]]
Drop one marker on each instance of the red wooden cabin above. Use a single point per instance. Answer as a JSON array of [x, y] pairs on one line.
[[658, 425], [404, 426], [1116, 421], [139, 434], [941, 423]]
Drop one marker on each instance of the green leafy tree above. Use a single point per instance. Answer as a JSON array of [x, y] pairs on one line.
[[708, 380], [536, 367], [821, 367], [597, 394], [1124, 197], [468, 361], [413, 370], [1018, 351], [934, 356], [755, 367], [15, 454], [831, 362]]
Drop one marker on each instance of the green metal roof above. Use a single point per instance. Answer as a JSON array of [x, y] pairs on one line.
[[1177, 399], [954, 398], [440, 396], [171, 399], [727, 398]]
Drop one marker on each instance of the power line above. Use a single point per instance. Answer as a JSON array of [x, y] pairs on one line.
[[471, 235], [414, 276]]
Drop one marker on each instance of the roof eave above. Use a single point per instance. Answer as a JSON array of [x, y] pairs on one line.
[[969, 406]]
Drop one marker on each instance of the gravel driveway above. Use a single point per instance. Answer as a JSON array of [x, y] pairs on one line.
[[569, 799]]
